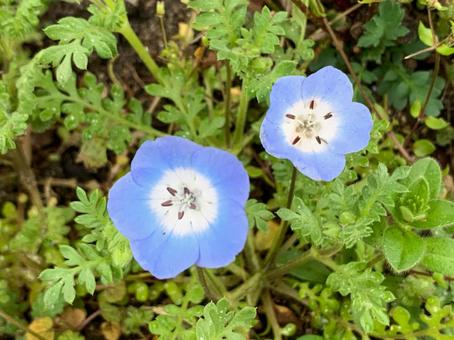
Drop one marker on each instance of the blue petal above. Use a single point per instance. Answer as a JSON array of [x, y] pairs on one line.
[[328, 84], [155, 157], [273, 139], [225, 237], [224, 171], [128, 207], [285, 92], [166, 256], [354, 128], [323, 166]]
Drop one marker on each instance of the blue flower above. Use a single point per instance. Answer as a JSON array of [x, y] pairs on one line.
[[313, 122], [181, 204]]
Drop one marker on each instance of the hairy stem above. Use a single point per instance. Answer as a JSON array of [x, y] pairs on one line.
[[270, 314], [209, 292], [228, 86], [242, 115], [277, 242], [27, 176], [132, 38]]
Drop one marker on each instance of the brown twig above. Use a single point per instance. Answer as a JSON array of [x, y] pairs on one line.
[[88, 320], [435, 72]]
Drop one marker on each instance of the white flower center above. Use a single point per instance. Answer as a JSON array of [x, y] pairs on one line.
[[184, 201], [310, 125]]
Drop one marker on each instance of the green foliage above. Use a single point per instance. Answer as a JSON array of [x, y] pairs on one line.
[[12, 124], [219, 322], [103, 253], [19, 18], [102, 119], [78, 39], [170, 323], [383, 30], [368, 297], [258, 214]]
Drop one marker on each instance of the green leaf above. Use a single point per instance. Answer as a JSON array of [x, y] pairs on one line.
[[78, 39], [403, 249], [258, 214], [429, 169], [436, 123], [425, 34], [219, 322], [440, 214], [87, 278], [439, 256], [423, 147]]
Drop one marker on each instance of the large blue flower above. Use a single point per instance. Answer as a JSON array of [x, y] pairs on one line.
[[181, 204], [313, 122]]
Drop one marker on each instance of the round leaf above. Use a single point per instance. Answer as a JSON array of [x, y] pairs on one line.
[[440, 214], [403, 249]]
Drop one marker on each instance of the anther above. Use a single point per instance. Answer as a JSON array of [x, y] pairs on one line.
[[192, 206], [167, 203], [180, 215], [311, 105], [186, 191], [289, 116], [296, 140], [328, 115], [172, 191], [319, 141]]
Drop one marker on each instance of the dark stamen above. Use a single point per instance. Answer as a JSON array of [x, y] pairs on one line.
[[311, 105], [172, 191], [180, 215], [192, 206], [186, 191], [319, 140], [296, 140], [167, 203], [290, 116], [328, 115]]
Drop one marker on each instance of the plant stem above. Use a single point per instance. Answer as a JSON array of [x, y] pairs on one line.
[[131, 36], [242, 115], [18, 324], [228, 87], [277, 242], [27, 176], [281, 270], [252, 283], [271, 315], [210, 294], [435, 72]]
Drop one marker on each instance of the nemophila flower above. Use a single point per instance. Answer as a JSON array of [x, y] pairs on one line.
[[313, 122], [181, 204]]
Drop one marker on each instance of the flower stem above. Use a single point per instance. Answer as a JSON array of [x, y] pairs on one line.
[[228, 87], [252, 283], [209, 292], [271, 256], [242, 115], [132, 38], [281, 270], [271, 315]]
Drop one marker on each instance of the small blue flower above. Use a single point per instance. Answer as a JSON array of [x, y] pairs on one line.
[[181, 204], [313, 122]]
